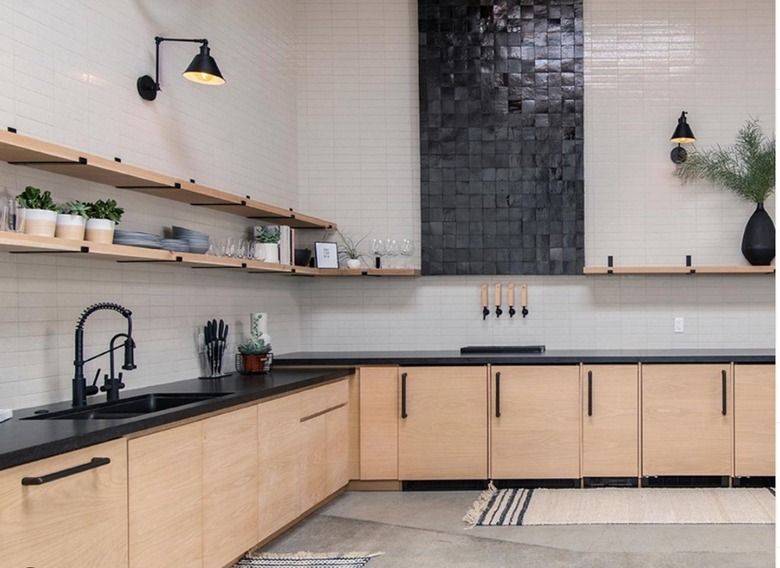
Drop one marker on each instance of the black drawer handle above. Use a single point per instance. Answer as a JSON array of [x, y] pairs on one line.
[[403, 396], [590, 393], [92, 464], [498, 395], [723, 392]]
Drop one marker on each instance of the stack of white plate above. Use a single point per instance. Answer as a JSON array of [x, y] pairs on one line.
[[176, 245], [137, 239], [198, 242]]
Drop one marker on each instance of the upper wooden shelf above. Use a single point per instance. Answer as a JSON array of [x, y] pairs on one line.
[[594, 270], [19, 243], [25, 151]]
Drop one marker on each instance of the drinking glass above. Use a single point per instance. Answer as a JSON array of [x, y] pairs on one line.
[[407, 248], [378, 249]]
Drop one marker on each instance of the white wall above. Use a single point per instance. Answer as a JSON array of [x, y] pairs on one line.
[[70, 70], [645, 61]]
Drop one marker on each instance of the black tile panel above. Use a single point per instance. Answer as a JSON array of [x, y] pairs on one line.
[[501, 136]]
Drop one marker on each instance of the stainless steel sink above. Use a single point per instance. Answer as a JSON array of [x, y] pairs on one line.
[[129, 407]]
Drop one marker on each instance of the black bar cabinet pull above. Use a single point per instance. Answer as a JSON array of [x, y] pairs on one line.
[[498, 395], [590, 393], [92, 464], [723, 390], [403, 396]]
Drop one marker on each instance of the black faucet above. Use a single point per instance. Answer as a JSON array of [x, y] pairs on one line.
[[113, 383]]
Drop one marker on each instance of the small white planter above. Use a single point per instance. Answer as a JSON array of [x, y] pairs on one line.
[[70, 227], [100, 231], [269, 252], [353, 263], [39, 222]]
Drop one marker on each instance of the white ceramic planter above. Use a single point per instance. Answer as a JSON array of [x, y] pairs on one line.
[[70, 227], [270, 252], [39, 222], [353, 263], [100, 231]]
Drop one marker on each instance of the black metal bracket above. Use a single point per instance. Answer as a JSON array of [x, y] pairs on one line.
[[81, 250], [176, 185], [82, 161]]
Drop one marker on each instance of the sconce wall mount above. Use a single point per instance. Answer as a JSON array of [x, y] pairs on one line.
[[682, 135], [203, 69]]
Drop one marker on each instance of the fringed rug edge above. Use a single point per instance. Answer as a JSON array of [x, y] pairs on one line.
[[474, 514]]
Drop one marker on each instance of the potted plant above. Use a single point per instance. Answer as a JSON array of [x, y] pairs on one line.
[[267, 238], [748, 169], [71, 220], [103, 217], [255, 355], [348, 250], [38, 210]]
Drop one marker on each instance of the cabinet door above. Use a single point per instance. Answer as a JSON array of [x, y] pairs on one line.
[[754, 420], [378, 423], [280, 445], [230, 486], [76, 521], [687, 415], [535, 422], [610, 421], [165, 498], [443, 426]]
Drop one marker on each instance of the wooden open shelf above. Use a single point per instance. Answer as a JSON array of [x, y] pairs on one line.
[[596, 270], [25, 151], [19, 243]]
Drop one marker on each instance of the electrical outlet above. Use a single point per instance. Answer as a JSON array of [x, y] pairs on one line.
[[679, 325]]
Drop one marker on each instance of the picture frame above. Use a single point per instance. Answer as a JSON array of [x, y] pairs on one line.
[[326, 254]]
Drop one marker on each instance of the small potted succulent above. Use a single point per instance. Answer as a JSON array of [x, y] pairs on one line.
[[348, 250], [104, 215], [256, 356], [71, 220], [38, 211], [267, 239]]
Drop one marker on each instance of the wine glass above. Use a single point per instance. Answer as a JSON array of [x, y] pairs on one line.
[[392, 251], [407, 248], [378, 249]]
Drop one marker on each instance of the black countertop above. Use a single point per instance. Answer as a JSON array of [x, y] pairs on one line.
[[548, 357], [23, 441]]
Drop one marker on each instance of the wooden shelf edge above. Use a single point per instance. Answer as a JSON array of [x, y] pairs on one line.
[[724, 270], [308, 271], [23, 150]]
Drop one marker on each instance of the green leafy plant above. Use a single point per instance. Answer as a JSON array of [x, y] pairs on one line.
[[747, 168], [269, 234], [105, 209], [74, 208], [34, 198], [254, 346], [349, 246]]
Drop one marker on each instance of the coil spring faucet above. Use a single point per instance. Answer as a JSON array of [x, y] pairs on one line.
[[111, 384]]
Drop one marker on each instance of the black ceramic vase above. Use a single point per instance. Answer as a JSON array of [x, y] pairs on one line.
[[758, 241]]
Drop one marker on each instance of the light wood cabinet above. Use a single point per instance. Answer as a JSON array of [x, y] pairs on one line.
[[535, 422], [754, 420], [165, 498], [378, 423], [78, 520], [443, 423], [687, 420], [230, 486], [610, 421]]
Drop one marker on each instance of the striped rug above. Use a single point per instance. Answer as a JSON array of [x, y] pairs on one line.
[[305, 560], [528, 507]]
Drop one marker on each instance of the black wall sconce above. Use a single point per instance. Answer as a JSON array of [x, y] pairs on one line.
[[682, 135], [203, 69]]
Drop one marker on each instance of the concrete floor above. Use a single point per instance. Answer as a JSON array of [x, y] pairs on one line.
[[424, 530]]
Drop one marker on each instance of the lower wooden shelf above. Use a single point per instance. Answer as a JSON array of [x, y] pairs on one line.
[[598, 270], [19, 243]]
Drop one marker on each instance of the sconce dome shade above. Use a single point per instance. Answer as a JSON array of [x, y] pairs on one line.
[[683, 133], [203, 69]]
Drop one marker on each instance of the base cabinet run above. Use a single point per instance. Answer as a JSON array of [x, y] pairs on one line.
[[687, 420], [76, 520], [754, 420]]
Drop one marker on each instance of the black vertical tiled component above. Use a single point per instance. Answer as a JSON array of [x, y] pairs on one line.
[[501, 136]]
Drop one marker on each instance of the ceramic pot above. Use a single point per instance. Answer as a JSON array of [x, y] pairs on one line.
[[70, 227], [353, 263], [100, 231], [39, 222], [758, 240], [270, 252]]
